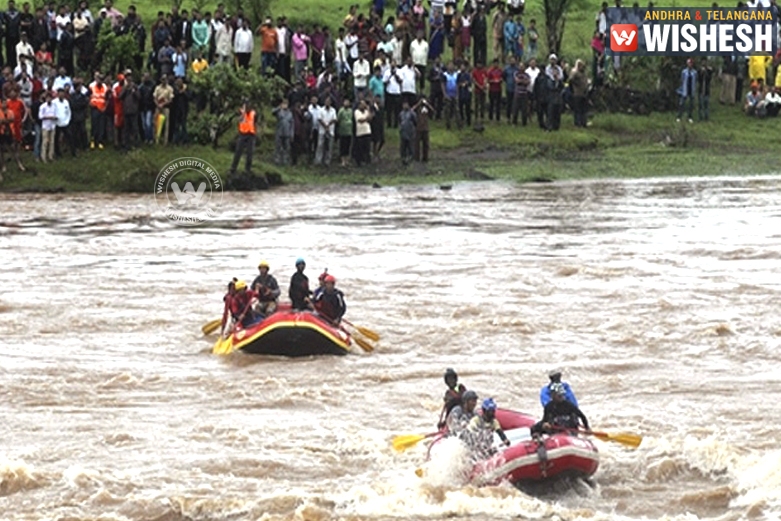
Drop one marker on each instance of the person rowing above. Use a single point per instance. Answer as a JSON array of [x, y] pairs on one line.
[[241, 305], [267, 288], [479, 434], [555, 378], [459, 418], [560, 415], [329, 303], [226, 311], [453, 395]]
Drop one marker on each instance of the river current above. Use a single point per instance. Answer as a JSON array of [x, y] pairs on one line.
[[658, 299]]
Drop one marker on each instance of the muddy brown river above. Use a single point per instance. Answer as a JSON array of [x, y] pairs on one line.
[[658, 298]]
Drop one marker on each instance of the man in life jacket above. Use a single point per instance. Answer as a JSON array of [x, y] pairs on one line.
[[461, 415], [226, 299], [560, 415], [453, 395], [479, 434], [321, 287], [98, 102], [299, 292], [266, 286], [245, 143], [330, 302], [241, 305], [555, 378]]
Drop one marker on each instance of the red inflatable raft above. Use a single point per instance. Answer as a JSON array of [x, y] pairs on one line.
[[527, 460], [292, 333]]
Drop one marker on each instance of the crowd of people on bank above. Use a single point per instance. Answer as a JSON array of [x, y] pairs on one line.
[[460, 418], [246, 306], [346, 85]]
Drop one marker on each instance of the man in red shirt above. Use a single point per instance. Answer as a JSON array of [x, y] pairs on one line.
[[241, 305], [494, 77], [479, 79]]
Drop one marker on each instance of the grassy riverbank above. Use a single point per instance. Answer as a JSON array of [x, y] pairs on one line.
[[615, 146]]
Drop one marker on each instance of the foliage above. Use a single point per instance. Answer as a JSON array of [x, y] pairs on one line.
[[200, 5], [115, 53], [226, 88], [555, 20], [255, 10]]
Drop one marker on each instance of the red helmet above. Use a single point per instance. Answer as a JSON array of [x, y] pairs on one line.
[[322, 276], [330, 278]]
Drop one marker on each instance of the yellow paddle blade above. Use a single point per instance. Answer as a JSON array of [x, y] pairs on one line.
[[209, 327], [368, 333], [366, 346], [624, 438], [405, 441], [223, 346], [419, 472]]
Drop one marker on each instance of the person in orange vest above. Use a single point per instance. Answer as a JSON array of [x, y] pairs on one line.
[[248, 120], [98, 102], [119, 113]]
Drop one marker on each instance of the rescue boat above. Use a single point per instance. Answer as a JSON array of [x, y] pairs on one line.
[[288, 332], [527, 460]]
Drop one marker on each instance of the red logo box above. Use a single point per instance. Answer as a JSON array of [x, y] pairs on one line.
[[623, 37]]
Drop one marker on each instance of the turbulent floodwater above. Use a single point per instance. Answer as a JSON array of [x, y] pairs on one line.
[[658, 298]]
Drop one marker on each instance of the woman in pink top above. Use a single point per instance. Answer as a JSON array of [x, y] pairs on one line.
[[300, 50]]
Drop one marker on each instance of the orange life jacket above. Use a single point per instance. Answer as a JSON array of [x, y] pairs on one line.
[[247, 124], [98, 97]]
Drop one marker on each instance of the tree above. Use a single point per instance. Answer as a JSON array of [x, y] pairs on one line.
[[255, 10], [555, 20], [225, 89], [115, 53]]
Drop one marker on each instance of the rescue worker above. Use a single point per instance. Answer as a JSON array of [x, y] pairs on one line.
[[453, 395], [98, 102], [555, 378], [479, 434], [246, 140], [226, 312], [462, 414], [321, 280], [266, 286], [299, 287], [560, 415], [330, 302], [241, 305]]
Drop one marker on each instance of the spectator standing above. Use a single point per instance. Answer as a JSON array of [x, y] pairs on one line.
[[130, 99], [494, 78], [245, 143], [703, 90], [424, 111], [147, 106], [284, 133], [269, 46], [180, 109], [200, 33], [345, 127], [79, 99], [62, 132], [48, 116], [579, 84], [450, 95], [362, 133], [480, 83], [419, 52], [407, 129], [409, 75], [300, 42], [687, 89], [224, 43], [392, 80], [243, 44], [508, 75], [325, 137], [163, 96], [521, 95], [361, 73], [436, 96], [497, 27], [99, 95]]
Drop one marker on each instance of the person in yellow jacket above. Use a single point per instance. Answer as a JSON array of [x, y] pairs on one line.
[[248, 122], [757, 68]]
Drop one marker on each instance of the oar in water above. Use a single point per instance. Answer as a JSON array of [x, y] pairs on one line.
[[368, 333], [406, 441], [224, 346], [366, 346], [209, 327]]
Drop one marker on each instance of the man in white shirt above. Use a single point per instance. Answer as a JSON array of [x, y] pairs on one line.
[[313, 114], [283, 49], [326, 125], [62, 20], [773, 102], [47, 113], [392, 81], [533, 71], [23, 48], [351, 41], [418, 49], [62, 81], [340, 58], [242, 44], [361, 72], [25, 65], [62, 109], [409, 76]]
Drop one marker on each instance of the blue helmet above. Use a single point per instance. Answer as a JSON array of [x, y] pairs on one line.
[[489, 405], [300, 260]]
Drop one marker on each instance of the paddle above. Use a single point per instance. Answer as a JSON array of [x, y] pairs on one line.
[[624, 438], [224, 346], [368, 333], [405, 441], [366, 346], [209, 327]]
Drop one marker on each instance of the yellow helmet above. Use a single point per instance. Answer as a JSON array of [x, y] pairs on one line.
[[240, 285], [263, 264]]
